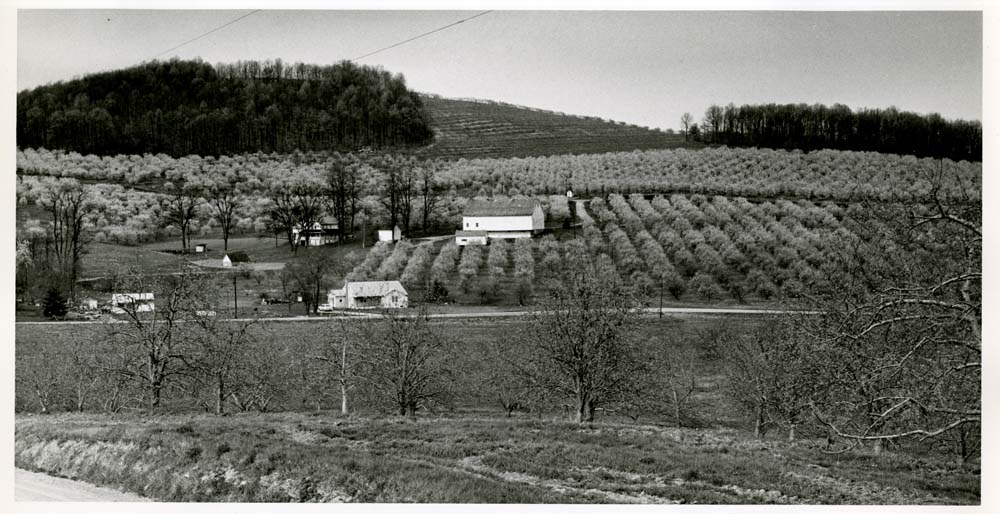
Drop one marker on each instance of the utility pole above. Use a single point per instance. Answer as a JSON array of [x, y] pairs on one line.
[[235, 311], [661, 295]]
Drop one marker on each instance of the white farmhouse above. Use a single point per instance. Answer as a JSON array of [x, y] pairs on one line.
[[388, 294], [139, 302], [500, 220], [321, 232]]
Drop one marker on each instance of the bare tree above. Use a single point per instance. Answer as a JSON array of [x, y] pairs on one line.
[[224, 201], [221, 357], [405, 362], [344, 190], [766, 372], [180, 207], [583, 345], [686, 121], [341, 354], [398, 184], [903, 324], [428, 195], [311, 273], [156, 347], [68, 205]]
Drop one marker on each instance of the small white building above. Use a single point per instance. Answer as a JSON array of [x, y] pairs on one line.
[[470, 237], [139, 302], [502, 219], [388, 294], [200, 248], [390, 235]]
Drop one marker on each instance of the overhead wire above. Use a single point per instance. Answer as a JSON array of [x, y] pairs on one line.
[[414, 38], [220, 27]]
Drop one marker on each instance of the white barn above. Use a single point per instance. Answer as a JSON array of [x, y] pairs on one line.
[[388, 294], [501, 220]]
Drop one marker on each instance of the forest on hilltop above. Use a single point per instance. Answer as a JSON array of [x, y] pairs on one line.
[[813, 127], [192, 107]]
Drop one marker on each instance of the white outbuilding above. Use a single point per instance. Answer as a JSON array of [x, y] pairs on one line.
[[386, 294], [390, 235]]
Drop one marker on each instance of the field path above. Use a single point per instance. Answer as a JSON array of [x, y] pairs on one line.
[[39, 487]]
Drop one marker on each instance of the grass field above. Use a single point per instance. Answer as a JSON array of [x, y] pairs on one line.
[[470, 459]]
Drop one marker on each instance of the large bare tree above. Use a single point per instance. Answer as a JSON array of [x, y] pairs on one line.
[[582, 341], [406, 362], [899, 347], [157, 347], [68, 205]]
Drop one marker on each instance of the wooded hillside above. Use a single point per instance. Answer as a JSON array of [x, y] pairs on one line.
[[191, 107]]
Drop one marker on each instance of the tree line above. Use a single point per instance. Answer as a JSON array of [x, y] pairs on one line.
[[181, 107], [814, 127]]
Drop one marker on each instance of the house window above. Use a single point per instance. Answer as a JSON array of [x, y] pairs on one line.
[[477, 224], [466, 224]]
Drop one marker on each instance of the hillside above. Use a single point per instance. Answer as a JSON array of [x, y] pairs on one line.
[[482, 128], [181, 108]]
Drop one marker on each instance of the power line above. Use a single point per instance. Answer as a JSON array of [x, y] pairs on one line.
[[220, 27], [421, 35]]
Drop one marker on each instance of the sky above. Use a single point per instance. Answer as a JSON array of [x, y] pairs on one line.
[[641, 67]]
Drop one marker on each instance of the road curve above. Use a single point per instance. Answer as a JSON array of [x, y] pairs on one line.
[[39, 487]]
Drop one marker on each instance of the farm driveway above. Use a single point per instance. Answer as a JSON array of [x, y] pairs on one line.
[[39, 487]]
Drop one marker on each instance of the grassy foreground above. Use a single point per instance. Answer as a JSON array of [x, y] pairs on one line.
[[324, 458]]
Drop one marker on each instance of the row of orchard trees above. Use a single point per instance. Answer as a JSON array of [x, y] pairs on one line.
[[826, 174]]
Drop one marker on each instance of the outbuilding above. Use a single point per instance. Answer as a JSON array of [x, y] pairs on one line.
[[470, 237], [390, 235], [232, 258]]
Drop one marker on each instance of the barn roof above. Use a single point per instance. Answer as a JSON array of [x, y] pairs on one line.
[[374, 288], [525, 207], [238, 257]]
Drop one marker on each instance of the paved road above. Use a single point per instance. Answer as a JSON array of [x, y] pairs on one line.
[[39, 487], [649, 311]]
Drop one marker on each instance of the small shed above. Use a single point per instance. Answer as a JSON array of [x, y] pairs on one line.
[[233, 258], [569, 193], [200, 248], [88, 303], [470, 237], [390, 235]]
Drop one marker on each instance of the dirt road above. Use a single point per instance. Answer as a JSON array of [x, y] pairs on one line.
[[39, 487]]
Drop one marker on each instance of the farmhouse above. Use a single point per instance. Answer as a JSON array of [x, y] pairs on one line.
[[232, 258], [388, 294], [321, 232], [139, 302], [500, 220]]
